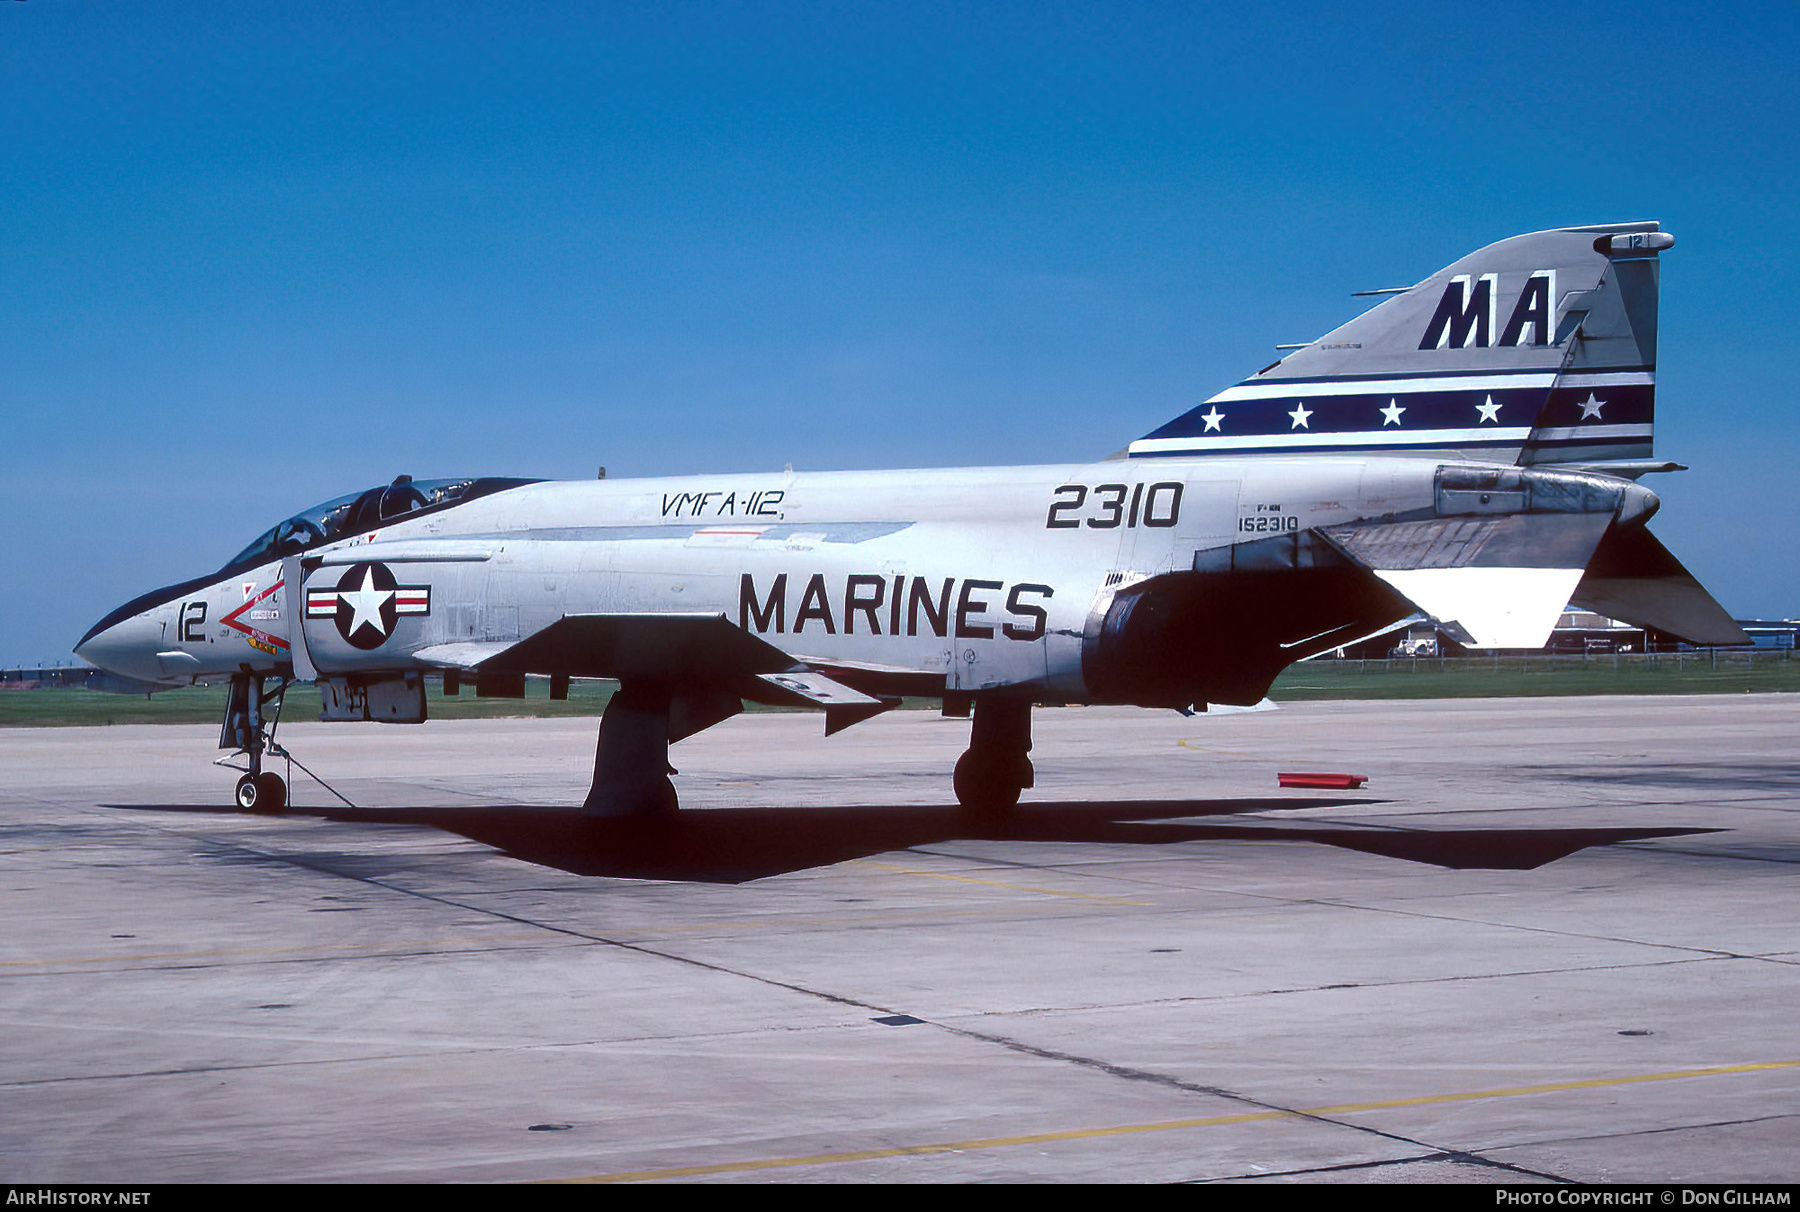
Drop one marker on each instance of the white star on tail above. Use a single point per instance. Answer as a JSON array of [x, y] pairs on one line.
[[1300, 414], [1212, 419], [367, 603], [1489, 411], [1392, 413], [1591, 407]]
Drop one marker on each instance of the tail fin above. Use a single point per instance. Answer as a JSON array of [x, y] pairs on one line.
[[1538, 349]]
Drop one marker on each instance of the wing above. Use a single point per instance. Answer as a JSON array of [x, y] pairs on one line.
[[705, 658]]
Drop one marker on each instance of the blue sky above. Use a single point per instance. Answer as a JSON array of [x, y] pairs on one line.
[[253, 256]]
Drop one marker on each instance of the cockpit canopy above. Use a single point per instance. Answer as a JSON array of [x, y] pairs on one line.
[[360, 512]]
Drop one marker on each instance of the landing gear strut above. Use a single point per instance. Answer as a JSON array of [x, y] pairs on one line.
[[249, 731], [996, 768], [631, 759]]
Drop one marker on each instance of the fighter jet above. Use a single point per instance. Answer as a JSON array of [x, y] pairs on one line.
[[1467, 450]]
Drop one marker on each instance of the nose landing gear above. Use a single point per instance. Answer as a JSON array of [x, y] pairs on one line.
[[249, 731]]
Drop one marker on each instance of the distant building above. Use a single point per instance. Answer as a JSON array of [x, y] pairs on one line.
[[1583, 631], [34, 679], [73, 677], [1577, 632], [1771, 633]]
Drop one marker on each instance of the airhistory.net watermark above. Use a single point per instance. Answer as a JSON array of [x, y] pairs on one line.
[[51, 1197]]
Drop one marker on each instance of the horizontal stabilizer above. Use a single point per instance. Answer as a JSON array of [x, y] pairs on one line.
[[1500, 581], [652, 647], [1552, 540], [1634, 579]]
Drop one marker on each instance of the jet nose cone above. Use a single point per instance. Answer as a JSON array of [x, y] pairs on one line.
[[127, 648]]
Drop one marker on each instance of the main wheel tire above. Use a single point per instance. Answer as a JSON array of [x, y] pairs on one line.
[[249, 795], [986, 787], [643, 804]]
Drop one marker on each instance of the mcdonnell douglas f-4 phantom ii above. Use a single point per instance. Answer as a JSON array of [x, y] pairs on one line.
[[1467, 450]]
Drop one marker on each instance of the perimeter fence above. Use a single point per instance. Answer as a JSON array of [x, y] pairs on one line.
[[1696, 671]]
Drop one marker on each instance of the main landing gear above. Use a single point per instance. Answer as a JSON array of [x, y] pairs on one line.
[[631, 759], [249, 731], [997, 766]]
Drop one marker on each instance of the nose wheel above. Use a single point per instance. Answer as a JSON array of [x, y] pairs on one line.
[[265, 792]]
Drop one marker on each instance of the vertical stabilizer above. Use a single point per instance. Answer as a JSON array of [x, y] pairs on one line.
[[1538, 349]]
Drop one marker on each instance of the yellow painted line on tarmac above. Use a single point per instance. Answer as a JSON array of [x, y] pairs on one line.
[[1190, 743], [992, 1142], [1172, 1125], [1552, 1087], [969, 879]]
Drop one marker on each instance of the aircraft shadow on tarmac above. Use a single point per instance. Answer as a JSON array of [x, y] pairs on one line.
[[735, 845]]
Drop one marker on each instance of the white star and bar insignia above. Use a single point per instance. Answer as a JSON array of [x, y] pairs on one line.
[[366, 603]]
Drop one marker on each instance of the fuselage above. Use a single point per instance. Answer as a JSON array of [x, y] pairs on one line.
[[985, 577]]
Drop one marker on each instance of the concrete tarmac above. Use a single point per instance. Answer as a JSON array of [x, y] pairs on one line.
[[1550, 940]]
